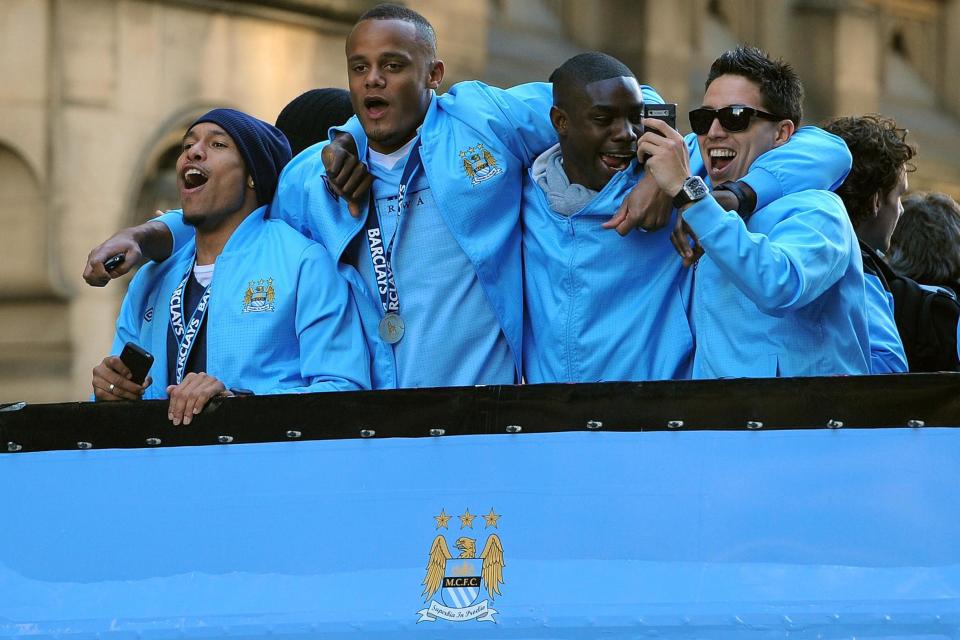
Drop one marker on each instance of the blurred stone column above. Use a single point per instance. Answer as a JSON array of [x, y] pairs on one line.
[[950, 88], [838, 55], [652, 37]]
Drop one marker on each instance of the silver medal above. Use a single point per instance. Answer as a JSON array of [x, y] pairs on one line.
[[391, 328]]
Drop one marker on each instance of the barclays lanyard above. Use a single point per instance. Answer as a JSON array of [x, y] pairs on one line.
[[186, 335], [391, 327]]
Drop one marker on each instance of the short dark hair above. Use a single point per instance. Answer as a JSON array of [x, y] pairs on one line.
[[307, 118], [584, 68], [880, 154], [780, 88], [926, 243], [387, 11]]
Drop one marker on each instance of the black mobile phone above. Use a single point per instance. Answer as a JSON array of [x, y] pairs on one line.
[[114, 262], [137, 360], [666, 112]]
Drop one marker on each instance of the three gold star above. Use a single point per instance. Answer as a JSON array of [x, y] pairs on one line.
[[466, 520]]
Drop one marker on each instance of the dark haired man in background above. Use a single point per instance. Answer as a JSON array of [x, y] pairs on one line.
[[871, 194], [926, 243]]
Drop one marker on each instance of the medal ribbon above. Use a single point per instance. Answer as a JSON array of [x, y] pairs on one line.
[[186, 335], [381, 255]]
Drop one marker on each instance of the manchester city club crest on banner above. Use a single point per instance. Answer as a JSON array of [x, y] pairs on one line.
[[460, 581], [259, 296], [479, 164]]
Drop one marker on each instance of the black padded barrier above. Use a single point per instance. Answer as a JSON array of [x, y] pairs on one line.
[[910, 400]]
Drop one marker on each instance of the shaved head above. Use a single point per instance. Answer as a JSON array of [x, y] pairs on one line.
[[572, 76]]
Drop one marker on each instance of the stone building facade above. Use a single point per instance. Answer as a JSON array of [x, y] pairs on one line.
[[94, 95]]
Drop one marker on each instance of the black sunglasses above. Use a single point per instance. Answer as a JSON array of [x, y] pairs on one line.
[[733, 118]]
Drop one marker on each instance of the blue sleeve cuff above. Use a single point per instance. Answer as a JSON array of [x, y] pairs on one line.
[[181, 232], [355, 129], [765, 185], [705, 216]]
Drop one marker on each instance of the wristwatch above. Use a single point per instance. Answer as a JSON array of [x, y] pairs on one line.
[[693, 189]]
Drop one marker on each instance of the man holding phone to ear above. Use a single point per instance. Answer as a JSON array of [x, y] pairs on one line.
[[249, 304]]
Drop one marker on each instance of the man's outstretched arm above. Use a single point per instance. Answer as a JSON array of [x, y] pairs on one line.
[[154, 240]]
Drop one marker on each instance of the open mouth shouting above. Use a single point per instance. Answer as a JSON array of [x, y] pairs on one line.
[[193, 179], [617, 161], [375, 107], [720, 159]]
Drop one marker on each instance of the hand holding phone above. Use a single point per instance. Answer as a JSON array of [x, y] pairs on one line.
[[137, 360], [666, 112], [110, 381], [114, 262]]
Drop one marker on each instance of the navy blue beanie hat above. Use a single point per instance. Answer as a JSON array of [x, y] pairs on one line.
[[264, 148]]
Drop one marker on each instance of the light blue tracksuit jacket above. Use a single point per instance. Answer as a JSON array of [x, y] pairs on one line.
[[484, 216], [310, 340], [605, 307], [780, 295]]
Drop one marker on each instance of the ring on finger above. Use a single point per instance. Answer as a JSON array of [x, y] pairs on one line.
[[111, 387]]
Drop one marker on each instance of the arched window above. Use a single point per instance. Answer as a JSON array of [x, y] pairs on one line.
[[23, 239]]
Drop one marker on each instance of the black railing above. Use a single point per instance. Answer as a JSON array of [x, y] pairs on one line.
[[916, 400]]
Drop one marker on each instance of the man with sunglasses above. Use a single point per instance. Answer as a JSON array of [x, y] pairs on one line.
[[779, 292], [600, 306]]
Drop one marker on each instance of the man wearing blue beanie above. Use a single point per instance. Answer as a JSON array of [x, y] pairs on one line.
[[251, 327]]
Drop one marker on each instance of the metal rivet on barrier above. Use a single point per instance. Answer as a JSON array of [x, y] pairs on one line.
[[674, 424], [593, 425], [916, 424], [13, 447], [293, 434], [754, 424], [153, 441], [834, 424], [224, 439], [437, 432], [84, 445], [368, 433], [514, 428]]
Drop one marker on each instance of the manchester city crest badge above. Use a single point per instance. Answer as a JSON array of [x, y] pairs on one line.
[[460, 581], [479, 164], [259, 296]]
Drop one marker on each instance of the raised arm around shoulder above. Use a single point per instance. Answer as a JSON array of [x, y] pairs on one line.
[[151, 240], [811, 159]]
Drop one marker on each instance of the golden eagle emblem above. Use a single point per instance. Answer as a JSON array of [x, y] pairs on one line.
[[491, 571], [457, 581]]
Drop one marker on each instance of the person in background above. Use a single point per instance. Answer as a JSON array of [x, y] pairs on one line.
[[926, 243], [871, 195], [307, 118]]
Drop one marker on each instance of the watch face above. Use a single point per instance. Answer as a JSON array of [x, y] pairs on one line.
[[695, 188]]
